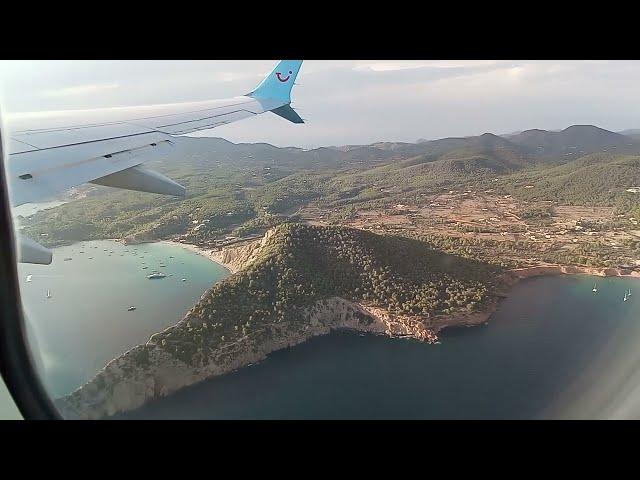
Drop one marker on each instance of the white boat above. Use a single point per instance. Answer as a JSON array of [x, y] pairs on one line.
[[595, 288], [629, 294], [29, 278], [625, 297], [156, 275], [131, 308], [48, 293]]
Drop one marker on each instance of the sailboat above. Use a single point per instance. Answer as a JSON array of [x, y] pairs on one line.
[[49, 293], [595, 288]]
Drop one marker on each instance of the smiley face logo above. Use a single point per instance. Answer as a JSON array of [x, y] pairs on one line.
[[283, 79]]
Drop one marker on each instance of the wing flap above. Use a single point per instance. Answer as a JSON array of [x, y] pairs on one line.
[[65, 151], [42, 174], [142, 180], [29, 251], [46, 161]]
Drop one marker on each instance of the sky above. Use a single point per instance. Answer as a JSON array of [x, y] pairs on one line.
[[349, 102]]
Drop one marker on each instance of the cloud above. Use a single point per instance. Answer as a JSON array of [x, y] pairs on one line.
[[392, 66], [80, 90], [386, 67], [345, 102], [230, 76]]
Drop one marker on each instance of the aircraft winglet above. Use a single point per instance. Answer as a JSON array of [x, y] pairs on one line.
[[278, 84], [288, 113]]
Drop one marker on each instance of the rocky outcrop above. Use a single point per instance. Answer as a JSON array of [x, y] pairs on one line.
[[151, 371], [142, 375], [237, 257]]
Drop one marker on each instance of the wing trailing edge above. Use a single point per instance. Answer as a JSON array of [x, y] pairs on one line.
[[29, 251], [50, 159], [142, 180]]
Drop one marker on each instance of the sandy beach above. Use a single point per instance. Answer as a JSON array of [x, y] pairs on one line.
[[205, 252]]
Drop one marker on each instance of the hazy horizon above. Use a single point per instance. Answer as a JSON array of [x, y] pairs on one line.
[[349, 102]]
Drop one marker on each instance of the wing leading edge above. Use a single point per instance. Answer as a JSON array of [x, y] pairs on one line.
[[44, 162]]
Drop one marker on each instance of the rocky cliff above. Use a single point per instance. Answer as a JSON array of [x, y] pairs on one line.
[[295, 283], [237, 257], [128, 382]]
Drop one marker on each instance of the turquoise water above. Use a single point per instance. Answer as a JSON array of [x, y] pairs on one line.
[[85, 323], [554, 349], [28, 209]]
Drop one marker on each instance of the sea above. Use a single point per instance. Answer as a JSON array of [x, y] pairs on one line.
[[553, 349], [77, 308]]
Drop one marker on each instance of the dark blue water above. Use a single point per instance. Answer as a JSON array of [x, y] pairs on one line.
[[554, 349]]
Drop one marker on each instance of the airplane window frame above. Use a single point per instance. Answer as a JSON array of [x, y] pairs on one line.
[[16, 366]]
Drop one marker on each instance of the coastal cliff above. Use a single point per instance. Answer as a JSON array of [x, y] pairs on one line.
[[237, 257], [295, 283], [125, 383]]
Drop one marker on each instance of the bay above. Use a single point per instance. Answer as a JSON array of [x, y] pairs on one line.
[[554, 349], [86, 323]]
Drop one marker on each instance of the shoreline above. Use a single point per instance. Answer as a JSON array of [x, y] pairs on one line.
[[519, 273], [556, 269], [207, 253], [511, 279], [131, 386]]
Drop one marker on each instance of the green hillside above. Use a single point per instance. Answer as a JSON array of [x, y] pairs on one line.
[[237, 189], [574, 141], [597, 179], [300, 265]]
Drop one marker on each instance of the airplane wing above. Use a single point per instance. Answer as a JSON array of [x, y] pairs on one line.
[[44, 162]]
